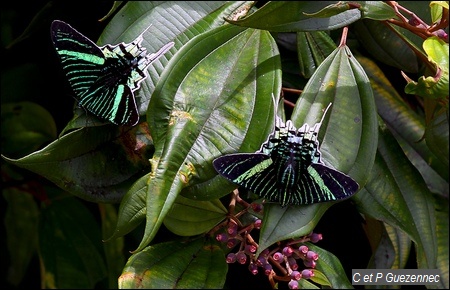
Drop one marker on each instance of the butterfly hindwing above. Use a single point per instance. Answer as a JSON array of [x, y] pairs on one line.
[[254, 171], [323, 184], [114, 103]]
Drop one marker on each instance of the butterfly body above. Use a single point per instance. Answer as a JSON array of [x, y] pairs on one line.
[[288, 168], [104, 78]]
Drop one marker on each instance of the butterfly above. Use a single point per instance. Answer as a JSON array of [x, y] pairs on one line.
[[105, 78], [288, 168]]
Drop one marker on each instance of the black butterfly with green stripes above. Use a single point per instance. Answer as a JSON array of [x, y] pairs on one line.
[[288, 168], [104, 78]]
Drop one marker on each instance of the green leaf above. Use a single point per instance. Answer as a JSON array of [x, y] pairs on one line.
[[384, 254], [331, 267], [397, 195], [176, 21], [436, 10], [21, 226], [312, 48], [402, 245], [290, 16], [407, 126], [442, 226], [132, 210], [320, 278], [196, 264], [341, 81], [385, 45], [437, 137], [376, 10], [190, 217], [436, 86], [282, 223], [97, 164], [202, 109], [69, 246], [349, 131], [25, 127]]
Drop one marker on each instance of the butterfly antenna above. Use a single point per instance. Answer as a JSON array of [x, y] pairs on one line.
[[277, 120], [274, 109], [145, 30], [318, 125], [325, 113]]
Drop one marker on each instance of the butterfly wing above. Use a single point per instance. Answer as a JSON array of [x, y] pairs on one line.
[[113, 103], [323, 184], [93, 76], [81, 59], [256, 172], [253, 171]]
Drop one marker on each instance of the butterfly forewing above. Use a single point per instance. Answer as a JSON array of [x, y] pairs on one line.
[[81, 59], [334, 185]]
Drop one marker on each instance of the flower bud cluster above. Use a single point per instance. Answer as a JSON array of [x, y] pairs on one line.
[[293, 258], [287, 261]]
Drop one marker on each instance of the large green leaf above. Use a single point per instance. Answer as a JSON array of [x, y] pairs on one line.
[[408, 127], [385, 45], [98, 164], [176, 21], [397, 195], [312, 49], [348, 134], [349, 131], [214, 98], [442, 227], [192, 217], [331, 267], [281, 223], [197, 264], [288, 16]]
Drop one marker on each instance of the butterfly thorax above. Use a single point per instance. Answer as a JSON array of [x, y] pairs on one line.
[[291, 154], [125, 64]]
